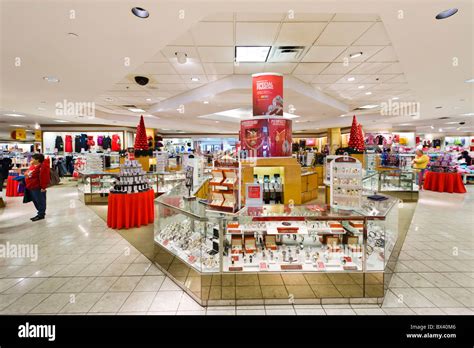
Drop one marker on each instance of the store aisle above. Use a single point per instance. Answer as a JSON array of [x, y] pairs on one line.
[[83, 267]]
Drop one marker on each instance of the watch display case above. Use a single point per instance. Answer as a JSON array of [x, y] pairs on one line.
[[94, 188], [315, 253]]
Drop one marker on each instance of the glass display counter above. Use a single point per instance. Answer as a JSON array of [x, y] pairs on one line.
[[94, 187], [273, 253]]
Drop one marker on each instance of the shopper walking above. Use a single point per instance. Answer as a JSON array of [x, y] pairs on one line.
[[419, 165], [37, 179]]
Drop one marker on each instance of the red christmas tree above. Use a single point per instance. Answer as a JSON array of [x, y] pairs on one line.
[[141, 142], [354, 136], [361, 145]]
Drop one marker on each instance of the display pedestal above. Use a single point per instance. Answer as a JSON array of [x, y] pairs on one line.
[[289, 168], [12, 187], [131, 209], [444, 182]]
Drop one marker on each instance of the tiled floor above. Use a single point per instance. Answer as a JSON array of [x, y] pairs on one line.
[[86, 268]]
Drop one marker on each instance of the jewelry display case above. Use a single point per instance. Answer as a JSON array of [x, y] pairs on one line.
[[94, 188], [165, 181], [273, 253]]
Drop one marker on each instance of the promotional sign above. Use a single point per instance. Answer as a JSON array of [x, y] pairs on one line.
[[253, 195], [18, 134], [280, 139], [37, 135], [311, 142], [267, 91]]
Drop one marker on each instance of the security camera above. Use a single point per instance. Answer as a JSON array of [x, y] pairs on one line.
[[142, 80]]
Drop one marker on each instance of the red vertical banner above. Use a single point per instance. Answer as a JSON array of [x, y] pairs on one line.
[[280, 139], [267, 91]]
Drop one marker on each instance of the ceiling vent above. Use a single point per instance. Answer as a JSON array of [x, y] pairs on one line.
[[129, 106], [286, 54], [444, 118]]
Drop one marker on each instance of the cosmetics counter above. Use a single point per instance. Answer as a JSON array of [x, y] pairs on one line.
[[269, 253]]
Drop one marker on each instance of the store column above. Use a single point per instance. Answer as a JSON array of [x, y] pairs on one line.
[[334, 140]]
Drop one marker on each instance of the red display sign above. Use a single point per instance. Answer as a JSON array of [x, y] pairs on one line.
[[254, 192], [267, 90], [280, 137]]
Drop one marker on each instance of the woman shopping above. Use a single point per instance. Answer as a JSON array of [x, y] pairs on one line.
[[419, 165], [37, 180]]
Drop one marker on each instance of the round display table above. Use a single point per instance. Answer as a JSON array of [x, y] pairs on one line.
[[444, 182], [127, 210], [13, 187]]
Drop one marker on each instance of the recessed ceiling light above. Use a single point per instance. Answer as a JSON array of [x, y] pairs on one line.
[[368, 93], [355, 55], [181, 57], [438, 107], [446, 13], [14, 115], [360, 87], [195, 79], [406, 124], [468, 114], [37, 126], [205, 102], [61, 121], [217, 121], [470, 81], [431, 127], [350, 79], [440, 130], [395, 98], [252, 54], [41, 109], [51, 79], [148, 99], [17, 125], [369, 106], [136, 110], [140, 12]]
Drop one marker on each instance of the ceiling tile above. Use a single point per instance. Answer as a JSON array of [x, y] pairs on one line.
[[259, 17], [299, 33], [213, 34], [282, 68], [184, 40], [367, 52], [169, 52], [376, 35], [378, 78], [394, 68], [248, 68], [219, 17], [357, 79], [382, 86], [187, 79], [309, 17], [339, 68], [167, 78], [155, 69], [159, 57], [355, 87], [172, 87], [342, 33], [355, 17], [309, 68], [218, 68], [386, 55], [305, 78], [326, 78], [211, 78], [190, 68], [216, 54], [323, 53], [369, 68], [258, 34], [397, 79]]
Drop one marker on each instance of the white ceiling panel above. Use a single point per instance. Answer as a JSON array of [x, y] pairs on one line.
[[383, 87], [187, 79], [394, 68], [167, 78], [299, 33], [216, 54], [172, 87], [248, 68], [159, 57], [258, 34], [337, 87], [369, 68], [218, 68], [398, 79], [219, 17], [259, 17], [169, 52], [356, 17], [189, 68], [215, 77], [339, 68], [127, 93], [126, 87], [326, 78], [367, 52], [355, 87], [305, 78], [342, 33], [282, 68], [310, 68], [309, 17], [376, 35], [155, 69], [184, 40], [213, 34], [377, 78], [323, 53], [357, 79], [386, 55]]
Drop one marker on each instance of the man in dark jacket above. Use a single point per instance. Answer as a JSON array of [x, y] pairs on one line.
[[37, 179]]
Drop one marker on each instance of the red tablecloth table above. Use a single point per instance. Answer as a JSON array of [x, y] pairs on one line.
[[131, 209], [12, 187], [444, 182]]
